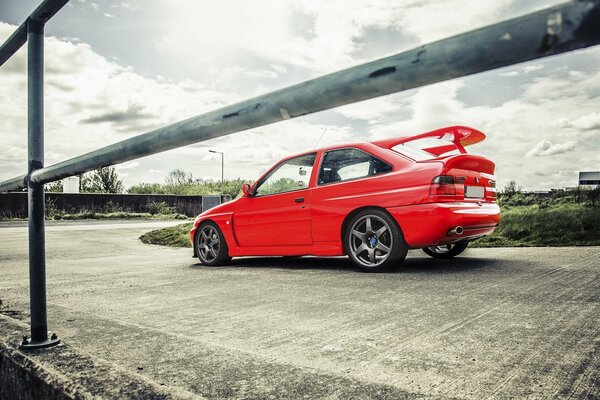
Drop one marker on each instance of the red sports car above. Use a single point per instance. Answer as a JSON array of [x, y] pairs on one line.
[[370, 201]]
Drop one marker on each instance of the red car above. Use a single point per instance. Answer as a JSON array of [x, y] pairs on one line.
[[370, 201]]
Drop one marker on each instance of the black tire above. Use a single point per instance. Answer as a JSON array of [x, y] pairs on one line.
[[446, 251], [374, 242], [211, 246]]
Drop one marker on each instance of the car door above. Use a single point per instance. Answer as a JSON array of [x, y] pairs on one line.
[[346, 181], [278, 212]]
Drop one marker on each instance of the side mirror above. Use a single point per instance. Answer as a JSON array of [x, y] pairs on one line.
[[247, 190]]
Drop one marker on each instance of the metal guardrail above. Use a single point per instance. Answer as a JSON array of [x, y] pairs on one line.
[[569, 26]]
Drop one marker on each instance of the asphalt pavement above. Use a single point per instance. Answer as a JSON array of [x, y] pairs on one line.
[[494, 323]]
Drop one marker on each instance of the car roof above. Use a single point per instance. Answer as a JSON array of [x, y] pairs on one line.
[[458, 134]]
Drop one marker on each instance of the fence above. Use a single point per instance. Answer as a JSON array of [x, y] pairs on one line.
[[551, 31], [14, 205]]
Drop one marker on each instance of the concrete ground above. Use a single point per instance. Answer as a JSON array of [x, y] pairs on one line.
[[495, 323]]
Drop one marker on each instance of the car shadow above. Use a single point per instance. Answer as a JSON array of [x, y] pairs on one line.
[[411, 265], [428, 265]]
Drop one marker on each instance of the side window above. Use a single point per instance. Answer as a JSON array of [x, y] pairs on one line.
[[346, 164], [290, 175]]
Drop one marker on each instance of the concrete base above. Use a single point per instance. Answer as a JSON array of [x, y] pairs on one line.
[[513, 323], [64, 373]]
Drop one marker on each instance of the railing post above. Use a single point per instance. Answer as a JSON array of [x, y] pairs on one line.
[[37, 242]]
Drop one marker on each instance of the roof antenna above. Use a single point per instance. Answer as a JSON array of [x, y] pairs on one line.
[[319, 141]]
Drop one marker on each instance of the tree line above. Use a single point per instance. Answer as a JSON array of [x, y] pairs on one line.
[[180, 182], [177, 181]]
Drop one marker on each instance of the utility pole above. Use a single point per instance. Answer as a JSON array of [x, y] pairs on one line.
[[222, 169]]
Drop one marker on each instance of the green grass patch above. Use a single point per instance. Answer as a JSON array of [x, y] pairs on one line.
[[550, 225], [103, 215], [521, 226], [174, 236], [116, 215]]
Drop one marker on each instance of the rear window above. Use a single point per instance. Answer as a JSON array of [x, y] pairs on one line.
[[346, 164], [418, 149]]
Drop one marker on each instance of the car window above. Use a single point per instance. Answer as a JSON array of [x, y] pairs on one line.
[[293, 174], [345, 164]]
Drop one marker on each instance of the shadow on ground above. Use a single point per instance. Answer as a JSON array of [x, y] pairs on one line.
[[412, 265]]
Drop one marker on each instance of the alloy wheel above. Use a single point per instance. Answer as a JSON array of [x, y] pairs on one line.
[[209, 244], [370, 240]]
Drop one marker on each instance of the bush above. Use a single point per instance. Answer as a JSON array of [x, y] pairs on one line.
[[160, 207]]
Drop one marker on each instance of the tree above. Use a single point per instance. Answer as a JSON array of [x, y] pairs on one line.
[[102, 180], [511, 189], [594, 196], [56, 186], [179, 177]]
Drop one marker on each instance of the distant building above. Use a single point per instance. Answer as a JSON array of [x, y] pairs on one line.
[[590, 179], [71, 184]]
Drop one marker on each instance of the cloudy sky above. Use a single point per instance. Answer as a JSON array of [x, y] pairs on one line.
[[115, 69]]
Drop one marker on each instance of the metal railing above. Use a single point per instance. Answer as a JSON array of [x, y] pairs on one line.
[[569, 26]]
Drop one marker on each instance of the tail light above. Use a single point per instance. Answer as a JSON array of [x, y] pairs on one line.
[[442, 185], [492, 184]]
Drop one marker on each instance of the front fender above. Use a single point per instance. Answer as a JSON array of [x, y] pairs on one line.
[[223, 220]]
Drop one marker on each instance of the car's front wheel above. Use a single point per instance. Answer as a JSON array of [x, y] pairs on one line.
[[374, 241], [447, 250], [211, 247]]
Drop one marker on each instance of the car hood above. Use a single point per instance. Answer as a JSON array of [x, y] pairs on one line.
[[220, 209]]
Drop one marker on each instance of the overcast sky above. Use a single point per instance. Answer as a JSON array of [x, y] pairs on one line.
[[115, 69]]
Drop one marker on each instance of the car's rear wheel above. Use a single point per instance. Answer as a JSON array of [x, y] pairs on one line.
[[211, 247], [447, 250], [374, 241]]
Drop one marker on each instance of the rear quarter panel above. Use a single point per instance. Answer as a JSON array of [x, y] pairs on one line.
[[408, 184]]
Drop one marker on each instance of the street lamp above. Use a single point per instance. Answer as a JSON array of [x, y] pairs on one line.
[[222, 169]]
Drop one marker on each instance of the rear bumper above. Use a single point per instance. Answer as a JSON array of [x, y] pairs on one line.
[[429, 224]]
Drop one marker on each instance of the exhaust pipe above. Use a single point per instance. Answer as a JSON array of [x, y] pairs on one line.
[[457, 230]]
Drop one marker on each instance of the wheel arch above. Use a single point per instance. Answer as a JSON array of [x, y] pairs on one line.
[[223, 221], [352, 213], [197, 231]]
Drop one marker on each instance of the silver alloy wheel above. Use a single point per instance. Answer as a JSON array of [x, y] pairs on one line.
[[371, 240], [442, 249], [209, 244]]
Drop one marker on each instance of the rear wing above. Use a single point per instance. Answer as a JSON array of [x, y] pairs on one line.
[[460, 136]]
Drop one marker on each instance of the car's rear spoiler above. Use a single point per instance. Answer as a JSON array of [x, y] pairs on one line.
[[460, 136]]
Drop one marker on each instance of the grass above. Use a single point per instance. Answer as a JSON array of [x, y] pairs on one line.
[[174, 236], [116, 215], [550, 225], [521, 226], [102, 215]]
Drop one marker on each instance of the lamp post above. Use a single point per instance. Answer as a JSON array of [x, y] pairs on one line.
[[222, 169]]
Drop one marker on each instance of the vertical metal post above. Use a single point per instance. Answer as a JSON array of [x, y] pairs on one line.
[[37, 244], [222, 170]]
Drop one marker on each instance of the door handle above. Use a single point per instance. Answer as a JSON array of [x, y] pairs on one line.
[[299, 200]]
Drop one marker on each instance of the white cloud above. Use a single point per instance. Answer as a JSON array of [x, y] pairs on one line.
[[330, 30], [127, 165], [587, 122], [247, 48], [432, 107], [547, 148], [550, 119], [372, 111], [522, 70], [90, 102]]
